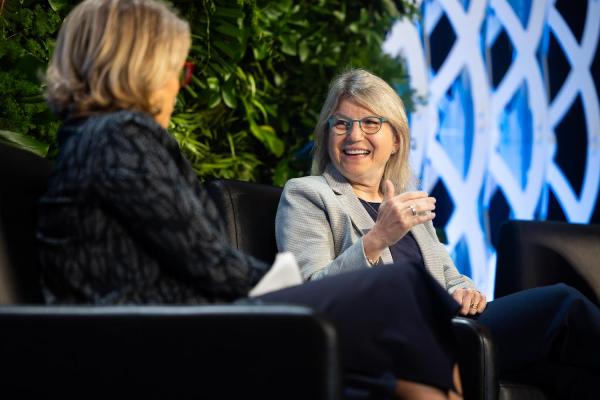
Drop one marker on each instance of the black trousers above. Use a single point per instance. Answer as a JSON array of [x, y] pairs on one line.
[[392, 320], [550, 337]]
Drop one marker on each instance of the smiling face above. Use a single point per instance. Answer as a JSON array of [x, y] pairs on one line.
[[359, 157]]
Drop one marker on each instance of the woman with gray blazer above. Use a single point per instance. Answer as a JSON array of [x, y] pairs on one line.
[[358, 212]]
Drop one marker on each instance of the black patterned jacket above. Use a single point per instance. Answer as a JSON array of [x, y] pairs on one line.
[[125, 220]]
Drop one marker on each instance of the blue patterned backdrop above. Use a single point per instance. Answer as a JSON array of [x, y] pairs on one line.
[[510, 126]]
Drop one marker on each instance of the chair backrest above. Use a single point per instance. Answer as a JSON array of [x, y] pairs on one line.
[[248, 210], [23, 179], [537, 253]]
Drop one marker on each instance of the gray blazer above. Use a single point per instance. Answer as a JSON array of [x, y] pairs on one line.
[[322, 222]]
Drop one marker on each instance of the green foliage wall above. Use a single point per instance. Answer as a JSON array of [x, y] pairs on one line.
[[262, 72]]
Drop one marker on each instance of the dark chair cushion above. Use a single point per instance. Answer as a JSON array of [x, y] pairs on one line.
[[538, 253], [248, 210], [23, 179]]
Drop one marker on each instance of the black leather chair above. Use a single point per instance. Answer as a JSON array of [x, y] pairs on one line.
[[539, 253], [23, 178], [249, 211], [184, 352], [167, 352]]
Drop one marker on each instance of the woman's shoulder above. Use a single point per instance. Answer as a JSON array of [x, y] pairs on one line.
[[127, 132], [125, 123], [99, 128], [307, 185], [115, 141], [309, 191], [311, 181]]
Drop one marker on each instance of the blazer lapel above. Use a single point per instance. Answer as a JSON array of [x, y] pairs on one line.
[[361, 220], [431, 260]]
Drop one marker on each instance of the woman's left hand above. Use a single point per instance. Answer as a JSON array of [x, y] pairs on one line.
[[471, 301]]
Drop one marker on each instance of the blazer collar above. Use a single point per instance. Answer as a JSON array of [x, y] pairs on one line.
[[360, 218], [340, 186]]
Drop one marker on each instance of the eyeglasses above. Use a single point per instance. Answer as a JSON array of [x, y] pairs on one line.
[[369, 125], [186, 74]]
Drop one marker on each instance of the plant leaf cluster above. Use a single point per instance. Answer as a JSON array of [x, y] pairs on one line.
[[27, 32], [262, 73]]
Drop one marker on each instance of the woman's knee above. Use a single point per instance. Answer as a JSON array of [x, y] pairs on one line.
[[564, 292]]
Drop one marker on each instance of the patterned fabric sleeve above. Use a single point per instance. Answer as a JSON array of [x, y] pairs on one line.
[[149, 189]]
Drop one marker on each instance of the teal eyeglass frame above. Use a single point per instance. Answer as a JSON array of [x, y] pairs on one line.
[[350, 124]]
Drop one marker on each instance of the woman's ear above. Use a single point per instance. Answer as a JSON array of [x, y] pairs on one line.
[[396, 144]]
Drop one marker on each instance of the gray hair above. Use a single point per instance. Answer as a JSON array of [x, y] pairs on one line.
[[375, 94]]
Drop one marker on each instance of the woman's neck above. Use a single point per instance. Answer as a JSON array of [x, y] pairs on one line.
[[367, 193]]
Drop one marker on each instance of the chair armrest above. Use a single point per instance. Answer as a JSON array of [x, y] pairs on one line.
[[477, 360], [230, 351]]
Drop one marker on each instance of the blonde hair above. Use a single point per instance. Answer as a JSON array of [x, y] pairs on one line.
[[114, 54], [375, 94]]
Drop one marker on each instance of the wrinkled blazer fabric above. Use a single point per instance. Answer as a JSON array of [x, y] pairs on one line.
[[322, 222]]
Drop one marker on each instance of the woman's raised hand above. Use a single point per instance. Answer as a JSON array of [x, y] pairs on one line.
[[397, 215]]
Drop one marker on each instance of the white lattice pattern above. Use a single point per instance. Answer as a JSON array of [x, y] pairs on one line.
[[505, 136]]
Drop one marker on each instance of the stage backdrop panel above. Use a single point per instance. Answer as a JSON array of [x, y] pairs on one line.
[[510, 126]]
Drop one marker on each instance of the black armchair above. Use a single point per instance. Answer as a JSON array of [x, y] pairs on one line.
[[23, 179], [538, 253], [213, 352], [249, 211], [530, 254], [167, 352]]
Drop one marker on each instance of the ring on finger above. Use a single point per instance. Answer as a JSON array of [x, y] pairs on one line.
[[413, 210]]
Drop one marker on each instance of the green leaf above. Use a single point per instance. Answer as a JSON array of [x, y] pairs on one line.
[[252, 84], [24, 142], [231, 49], [230, 30], [58, 5], [288, 45], [262, 109], [214, 99], [259, 51], [213, 83], [340, 15], [303, 51], [228, 12], [266, 134], [229, 95]]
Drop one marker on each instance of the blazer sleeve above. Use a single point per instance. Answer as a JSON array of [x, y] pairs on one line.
[[452, 277], [171, 218], [303, 227]]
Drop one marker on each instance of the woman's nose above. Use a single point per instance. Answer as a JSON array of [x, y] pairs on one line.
[[354, 133]]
